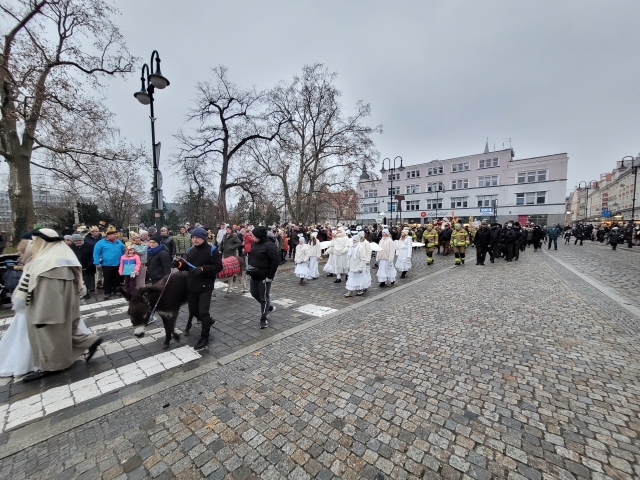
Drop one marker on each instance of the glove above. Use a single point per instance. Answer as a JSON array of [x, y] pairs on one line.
[[268, 280], [176, 264], [133, 275], [198, 271], [83, 291]]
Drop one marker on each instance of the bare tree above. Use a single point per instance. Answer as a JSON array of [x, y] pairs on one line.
[[228, 118], [54, 55], [319, 148]]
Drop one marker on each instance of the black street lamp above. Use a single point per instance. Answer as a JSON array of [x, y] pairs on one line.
[[635, 163], [439, 189], [154, 80], [391, 173], [587, 186]]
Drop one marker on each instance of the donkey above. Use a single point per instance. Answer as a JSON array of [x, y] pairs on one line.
[[231, 279], [169, 299]]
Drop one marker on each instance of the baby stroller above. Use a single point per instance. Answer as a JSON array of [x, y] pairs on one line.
[[9, 277]]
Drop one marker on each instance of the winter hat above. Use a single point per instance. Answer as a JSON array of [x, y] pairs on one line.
[[67, 237], [314, 234], [76, 237], [200, 233], [156, 238], [260, 232], [385, 230], [301, 238]]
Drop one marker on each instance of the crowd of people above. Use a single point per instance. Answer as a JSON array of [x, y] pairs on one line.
[[47, 334]]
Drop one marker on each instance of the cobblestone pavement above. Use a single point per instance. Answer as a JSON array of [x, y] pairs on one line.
[[517, 370], [125, 360], [618, 268]]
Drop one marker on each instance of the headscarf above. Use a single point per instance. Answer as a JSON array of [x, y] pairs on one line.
[[48, 251]]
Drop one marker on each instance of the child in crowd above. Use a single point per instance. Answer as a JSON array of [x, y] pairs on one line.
[[129, 268]]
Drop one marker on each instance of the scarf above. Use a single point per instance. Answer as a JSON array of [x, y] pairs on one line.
[[46, 256], [153, 251]]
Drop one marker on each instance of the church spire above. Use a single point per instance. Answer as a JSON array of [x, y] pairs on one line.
[[486, 146]]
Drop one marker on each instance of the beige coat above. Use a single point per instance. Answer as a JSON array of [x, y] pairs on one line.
[[52, 318]]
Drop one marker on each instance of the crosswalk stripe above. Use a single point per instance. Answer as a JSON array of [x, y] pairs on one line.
[[315, 310], [55, 399]]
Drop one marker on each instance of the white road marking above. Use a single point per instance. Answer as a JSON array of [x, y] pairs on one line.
[[315, 310], [55, 399]]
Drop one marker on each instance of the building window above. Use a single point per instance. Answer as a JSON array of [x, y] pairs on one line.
[[370, 193], [413, 188], [459, 167], [393, 191], [393, 176], [413, 174], [435, 170], [486, 200], [433, 205], [391, 207], [458, 184], [530, 177], [488, 163], [459, 202], [531, 198], [488, 181], [435, 187], [413, 205], [370, 208]]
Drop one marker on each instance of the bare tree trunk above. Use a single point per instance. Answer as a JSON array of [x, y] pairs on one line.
[[23, 214]]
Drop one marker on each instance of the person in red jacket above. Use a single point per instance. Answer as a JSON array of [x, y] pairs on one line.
[[249, 239]]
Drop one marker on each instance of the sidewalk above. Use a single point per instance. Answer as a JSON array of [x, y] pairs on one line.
[[516, 370]]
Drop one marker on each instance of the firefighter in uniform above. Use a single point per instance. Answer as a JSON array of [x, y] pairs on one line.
[[460, 242], [430, 239]]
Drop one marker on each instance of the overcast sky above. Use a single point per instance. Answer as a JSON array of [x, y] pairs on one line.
[[441, 76]]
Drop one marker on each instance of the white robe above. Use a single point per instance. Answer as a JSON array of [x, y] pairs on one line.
[[403, 263]]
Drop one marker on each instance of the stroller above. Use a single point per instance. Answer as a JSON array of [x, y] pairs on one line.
[[9, 277]]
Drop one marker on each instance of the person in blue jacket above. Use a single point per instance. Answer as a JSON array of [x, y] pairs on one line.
[[107, 253]]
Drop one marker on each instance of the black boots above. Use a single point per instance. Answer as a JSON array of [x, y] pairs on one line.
[[382, 284], [404, 274], [203, 342]]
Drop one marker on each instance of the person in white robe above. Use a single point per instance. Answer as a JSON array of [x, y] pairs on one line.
[[329, 267], [367, 271], [403, 263], [50, 289], [315, 253], [301, 259], [385, 257], [338, 248], [357, 281]]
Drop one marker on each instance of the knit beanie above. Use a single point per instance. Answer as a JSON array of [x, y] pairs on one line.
[[260, 232], [200, 233], [156, 238]]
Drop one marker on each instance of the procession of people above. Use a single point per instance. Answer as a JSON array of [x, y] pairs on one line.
[[47, 333]]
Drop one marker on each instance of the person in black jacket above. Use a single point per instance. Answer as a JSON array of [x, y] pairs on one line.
[[168, 241], [496, 239], [510, 239], [203, 262], [537, 237], [263, 263], [84, 252], [482, 241], [158, 259]]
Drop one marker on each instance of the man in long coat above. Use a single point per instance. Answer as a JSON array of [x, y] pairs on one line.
[[50, 287]]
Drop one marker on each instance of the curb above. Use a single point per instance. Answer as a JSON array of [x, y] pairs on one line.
[[623, 301], [42, 430]]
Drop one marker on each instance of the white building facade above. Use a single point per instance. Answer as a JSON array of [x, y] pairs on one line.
[[487, 185]]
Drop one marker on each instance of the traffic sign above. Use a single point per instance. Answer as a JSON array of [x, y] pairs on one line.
[[423, 214], [606, 213]]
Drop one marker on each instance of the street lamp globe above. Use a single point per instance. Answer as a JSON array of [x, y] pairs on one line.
[[158, 81], [143, 97]]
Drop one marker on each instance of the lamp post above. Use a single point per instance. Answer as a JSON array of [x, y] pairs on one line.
[[439, 189], [635, 163], [154, 79], [391, 172], [587, 186]]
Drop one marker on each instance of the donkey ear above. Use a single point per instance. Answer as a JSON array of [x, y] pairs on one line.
[[143, 292]]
